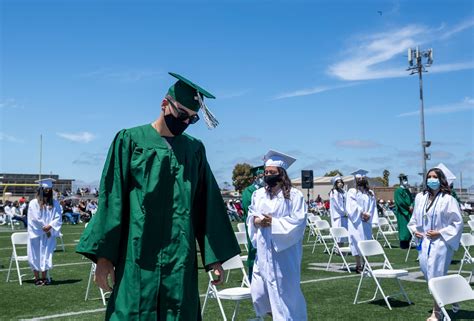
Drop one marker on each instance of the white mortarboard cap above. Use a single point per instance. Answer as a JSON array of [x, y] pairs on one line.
[[274, 158], [450, 177], [335, 179], [46, 182], [360, 173]]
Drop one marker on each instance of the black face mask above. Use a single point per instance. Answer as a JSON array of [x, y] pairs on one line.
[[176, 126], [272, 180]]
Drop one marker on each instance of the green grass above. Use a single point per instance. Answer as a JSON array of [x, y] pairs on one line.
[[327, 299]]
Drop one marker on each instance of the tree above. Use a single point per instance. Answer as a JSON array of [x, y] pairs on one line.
[[386, 177], [334, 172], [242, 176]]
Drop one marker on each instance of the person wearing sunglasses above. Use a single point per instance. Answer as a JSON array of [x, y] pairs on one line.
[[158, 196], [437, 223]]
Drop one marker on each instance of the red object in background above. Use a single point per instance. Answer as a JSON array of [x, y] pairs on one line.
[[326, 205]]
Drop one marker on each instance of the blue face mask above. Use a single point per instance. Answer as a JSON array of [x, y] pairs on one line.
[[433, 183]]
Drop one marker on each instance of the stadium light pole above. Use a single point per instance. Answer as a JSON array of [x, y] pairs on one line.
[[416, 65]]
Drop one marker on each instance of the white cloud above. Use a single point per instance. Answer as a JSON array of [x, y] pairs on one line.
[[8, 138], [9, 103], [357, 143], [465, 105], [372, 56], [312, 91], [130, 75], [82, 137]]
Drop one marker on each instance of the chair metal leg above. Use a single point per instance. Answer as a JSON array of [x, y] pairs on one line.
[[358, 288], [89, 282], [18, 270], [408, 252], [236, 310], [403, 291], [383, 294], [10, 267], [345, 262], [445, 314], [221, 308], [205, 300], [330, 257]]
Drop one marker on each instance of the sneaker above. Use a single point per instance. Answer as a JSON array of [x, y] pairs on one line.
[[39, 282], [48, 281]]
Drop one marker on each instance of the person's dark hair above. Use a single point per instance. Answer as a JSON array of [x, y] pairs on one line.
[[363, 185], [443, 182], [285, 184], [45, 196], [335, 188]]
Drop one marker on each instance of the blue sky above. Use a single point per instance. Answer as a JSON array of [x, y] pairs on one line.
[[324, 81]]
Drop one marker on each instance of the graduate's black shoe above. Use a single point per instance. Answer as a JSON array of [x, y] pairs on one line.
[[47, 281], [404, 245], [39, 282]]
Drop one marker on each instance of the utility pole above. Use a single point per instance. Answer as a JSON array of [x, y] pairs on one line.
[[415, 65]]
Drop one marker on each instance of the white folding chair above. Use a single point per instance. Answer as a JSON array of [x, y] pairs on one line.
[[471, 217], [471, 225], [373, 248], [385, 229], [60, 237], [322, 227], [241, 227], [392, 219], [413, 243], [236, 294], [450, 289], [467, 240], [311, 224], [241, 240], [337, 234], [103, 294], [19, 238]]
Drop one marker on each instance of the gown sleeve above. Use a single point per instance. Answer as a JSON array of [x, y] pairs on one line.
[[353, 209], [415, 223], [56, 221], [374, 213], [452, 232], [214, 232], [35, 224], [336, 204], [288, 230], [103, 235]]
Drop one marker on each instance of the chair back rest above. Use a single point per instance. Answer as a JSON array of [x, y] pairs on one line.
[[471, 225], [322, 225], [471, 217], [467, 239], [20, 238], [450, 289], [233, 263], [241, 227], [339, 232], [383, 222], [241, 237], [313, 218], [370, 248]]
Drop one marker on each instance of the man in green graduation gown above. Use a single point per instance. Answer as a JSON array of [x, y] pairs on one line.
[[157, 197], [258, 182], [403, 209]]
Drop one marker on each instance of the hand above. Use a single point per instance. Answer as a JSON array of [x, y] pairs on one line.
[[365, 217], [257, 221], [219, 272], [419, 235], [410, 210], [46, 228], [103, 270], [432, 234], [267, 220]]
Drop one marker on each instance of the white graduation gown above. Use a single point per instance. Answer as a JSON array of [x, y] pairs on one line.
[[276, 274], [337, 209], [356, 204], [40, 246], [443, 216]]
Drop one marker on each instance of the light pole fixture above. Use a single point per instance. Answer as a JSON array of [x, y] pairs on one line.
[[416, 65]]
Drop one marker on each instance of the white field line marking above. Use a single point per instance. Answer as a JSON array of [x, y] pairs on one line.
[[65, 314], [54, 265], [5, 237], [58, 245]]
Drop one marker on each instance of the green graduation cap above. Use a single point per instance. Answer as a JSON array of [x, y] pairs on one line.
[[402, 176], [257, 170], [192, 96]]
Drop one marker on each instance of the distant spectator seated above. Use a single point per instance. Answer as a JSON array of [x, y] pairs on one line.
[[17, 216], [232, 212], [69, 213]]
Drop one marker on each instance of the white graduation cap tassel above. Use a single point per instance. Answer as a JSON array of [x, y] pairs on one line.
[[209, 118]]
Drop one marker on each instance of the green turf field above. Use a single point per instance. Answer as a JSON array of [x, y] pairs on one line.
[[329, 294]]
